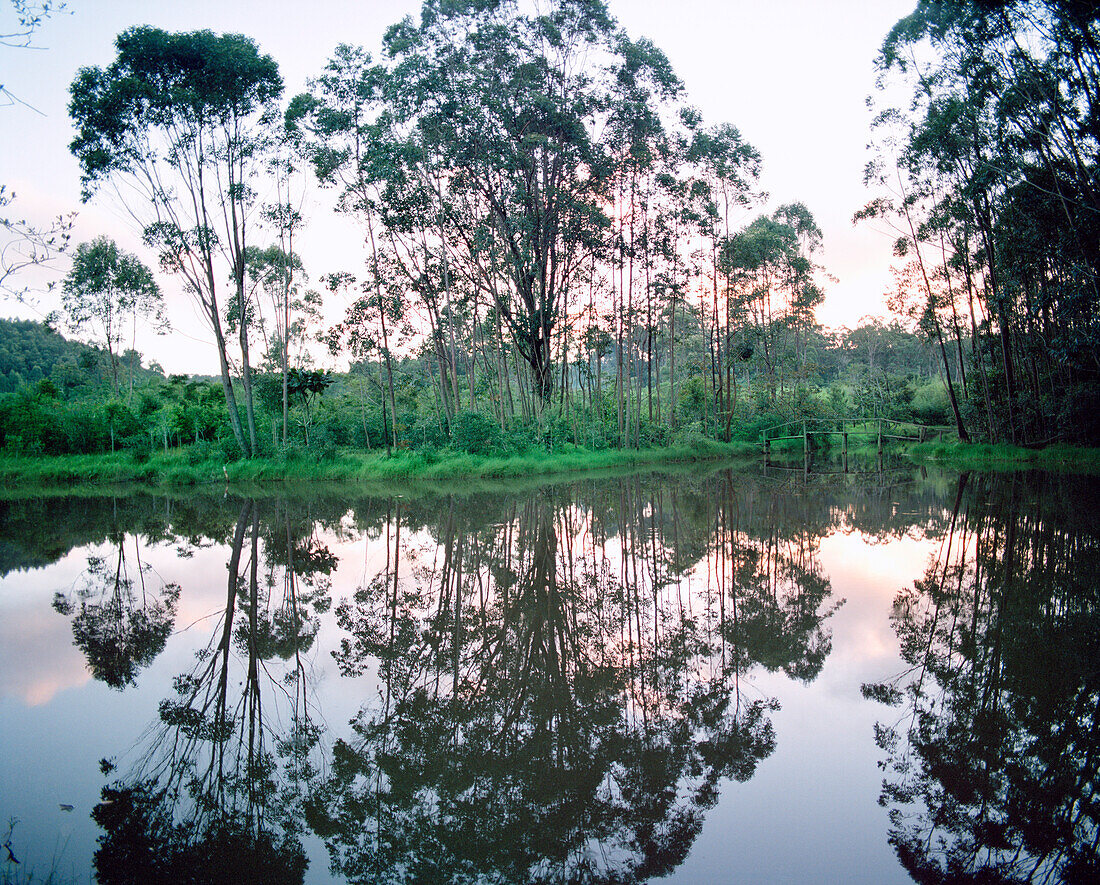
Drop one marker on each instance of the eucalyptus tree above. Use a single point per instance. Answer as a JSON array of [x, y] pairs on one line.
[[507, 105], [279, 274], [641, 145], [477, 154], [104, 288], [994, 175], [673, 225], [505, 164], [769, 276], [725, 170], [364, 329], [177, 123], [282, 268], [388, 184]]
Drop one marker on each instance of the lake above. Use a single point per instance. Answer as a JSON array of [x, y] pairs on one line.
[[688, 676]]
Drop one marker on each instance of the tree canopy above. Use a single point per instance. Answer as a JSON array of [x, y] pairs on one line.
[[184, 119]]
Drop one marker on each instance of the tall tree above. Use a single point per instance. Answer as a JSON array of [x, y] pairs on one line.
[[726, 171], [182, 119], [508, 104], [993, 169], [770, 283], [106, 287]]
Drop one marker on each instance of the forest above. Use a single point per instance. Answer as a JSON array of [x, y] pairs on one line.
[[551, 257]]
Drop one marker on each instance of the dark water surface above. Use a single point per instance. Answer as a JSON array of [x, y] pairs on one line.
[[693, 678]]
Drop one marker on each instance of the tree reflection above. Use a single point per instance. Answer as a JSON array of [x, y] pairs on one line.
[[562, 684], [994, 765], [772, 587], [120, 627], [558, 702], [216, 794]]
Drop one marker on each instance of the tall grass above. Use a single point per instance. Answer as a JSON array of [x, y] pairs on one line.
[[987, 456], [190, 468], [184, 468]]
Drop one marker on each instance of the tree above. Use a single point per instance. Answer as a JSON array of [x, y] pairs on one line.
[[991, 172], [726, 170], [182, 119], [769, 276], [105, 288], [392, 187], [27, 244], [29, 17], [308, 384], [479, 141], [486, 90]]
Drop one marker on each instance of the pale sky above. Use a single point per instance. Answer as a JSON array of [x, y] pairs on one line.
[[792, 75]]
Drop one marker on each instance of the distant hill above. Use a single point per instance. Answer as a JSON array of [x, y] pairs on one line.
[[31, 351]]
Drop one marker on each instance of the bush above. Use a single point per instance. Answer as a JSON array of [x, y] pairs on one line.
[[422, 433], [691, 399], [931, 405], [226, 449], [521, 436], [476, 434], [324, 451]]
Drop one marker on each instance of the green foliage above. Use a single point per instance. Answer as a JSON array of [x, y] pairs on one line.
[[476, 434], [930, 405], [28, 347], [989, 172], [163, 80], [105, 289]]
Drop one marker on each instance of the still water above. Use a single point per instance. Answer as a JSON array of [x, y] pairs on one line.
[[693, 677]]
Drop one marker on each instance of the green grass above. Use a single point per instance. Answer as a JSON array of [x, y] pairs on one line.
[[987, 456], [957, 455], [182, 469]]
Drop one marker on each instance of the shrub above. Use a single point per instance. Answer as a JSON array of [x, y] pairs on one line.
[[930, 404], [422, 433], [476, 434]]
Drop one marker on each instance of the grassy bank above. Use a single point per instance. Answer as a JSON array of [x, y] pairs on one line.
[[954, 454], [186, 468], [985, 456], [181, 469]]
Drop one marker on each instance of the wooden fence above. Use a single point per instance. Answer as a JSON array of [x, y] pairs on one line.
[[879, 429]]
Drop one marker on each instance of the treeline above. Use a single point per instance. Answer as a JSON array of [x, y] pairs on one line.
[[552, 238], [60, 397], [73, 407], [31, 351], [991, 177], [547, 228]]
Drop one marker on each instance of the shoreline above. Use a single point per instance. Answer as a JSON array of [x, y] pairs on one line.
[[182, 469]]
